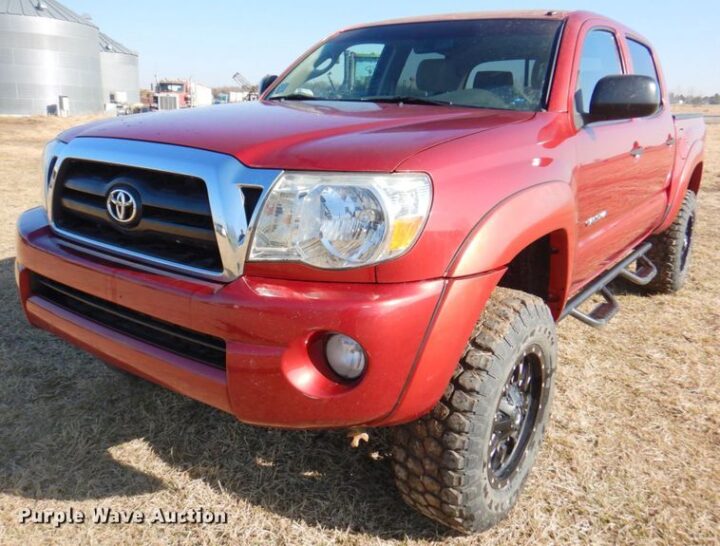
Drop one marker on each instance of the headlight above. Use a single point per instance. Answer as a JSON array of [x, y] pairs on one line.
[[341, 220]]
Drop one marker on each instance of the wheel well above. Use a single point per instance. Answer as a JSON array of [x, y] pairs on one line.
[[696, 178], [541, 269]]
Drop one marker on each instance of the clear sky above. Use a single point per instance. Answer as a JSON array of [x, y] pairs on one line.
[[210, 41]]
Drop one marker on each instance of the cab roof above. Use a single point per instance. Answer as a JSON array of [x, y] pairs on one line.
[[578, 16], [506, 14]]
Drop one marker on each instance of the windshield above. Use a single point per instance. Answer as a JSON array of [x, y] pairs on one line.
[[491, 63], [171, 87]]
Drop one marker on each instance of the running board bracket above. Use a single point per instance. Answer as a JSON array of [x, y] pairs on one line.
[[601, 314]]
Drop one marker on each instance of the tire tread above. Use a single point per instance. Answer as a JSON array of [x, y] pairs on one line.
[[450, 460], [666, 249]]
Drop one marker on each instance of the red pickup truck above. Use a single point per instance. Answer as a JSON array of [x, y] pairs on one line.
[[386, 239]]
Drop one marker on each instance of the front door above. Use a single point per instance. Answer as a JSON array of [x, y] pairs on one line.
[[620, 172]]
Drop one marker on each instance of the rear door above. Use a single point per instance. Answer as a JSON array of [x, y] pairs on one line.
[[656, 134]]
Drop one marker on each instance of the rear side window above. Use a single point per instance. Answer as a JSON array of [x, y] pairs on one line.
[[600, 58], [513, 70], [642, 60]]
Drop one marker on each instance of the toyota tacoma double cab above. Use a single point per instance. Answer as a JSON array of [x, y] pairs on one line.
[[387, 238]]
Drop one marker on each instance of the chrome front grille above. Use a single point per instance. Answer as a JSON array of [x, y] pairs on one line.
[[168, 102], [175, 222], [196, 208]]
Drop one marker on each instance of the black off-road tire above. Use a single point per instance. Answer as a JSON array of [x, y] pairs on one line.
[[672, 250], [441, 461]]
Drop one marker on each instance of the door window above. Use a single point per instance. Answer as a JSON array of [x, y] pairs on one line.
[[600, 58], [642, 60]]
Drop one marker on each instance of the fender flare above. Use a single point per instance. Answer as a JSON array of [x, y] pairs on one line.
[[477, 267], [676, 191], [520, 219]]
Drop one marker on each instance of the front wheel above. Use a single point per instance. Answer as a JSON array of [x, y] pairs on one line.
[[465, 463]]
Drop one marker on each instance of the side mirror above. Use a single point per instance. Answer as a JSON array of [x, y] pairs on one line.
[[266, 82], [623, 97]]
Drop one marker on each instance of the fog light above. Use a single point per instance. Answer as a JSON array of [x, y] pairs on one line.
[[345, 356]]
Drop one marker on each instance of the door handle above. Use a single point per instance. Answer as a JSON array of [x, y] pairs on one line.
[[670, 140], [637, 151]]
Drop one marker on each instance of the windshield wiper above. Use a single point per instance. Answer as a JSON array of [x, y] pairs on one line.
[[406, 99], [395, 99], [294, 96]]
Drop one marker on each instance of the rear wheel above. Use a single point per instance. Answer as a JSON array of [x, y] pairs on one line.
[[465, 463], [672, 250]]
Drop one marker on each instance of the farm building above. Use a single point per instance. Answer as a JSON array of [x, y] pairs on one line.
[[48, 51], [119, 70]]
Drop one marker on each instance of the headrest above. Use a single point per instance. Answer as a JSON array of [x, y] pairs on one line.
[[437, 76], [490, 79]]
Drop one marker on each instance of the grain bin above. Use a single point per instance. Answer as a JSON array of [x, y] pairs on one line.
[[46, 51], [119, 69]]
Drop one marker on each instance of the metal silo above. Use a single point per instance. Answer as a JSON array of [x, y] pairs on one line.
[[46, 50], [119, 69]]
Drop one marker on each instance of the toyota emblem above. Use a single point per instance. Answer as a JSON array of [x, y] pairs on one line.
[[122, 206]]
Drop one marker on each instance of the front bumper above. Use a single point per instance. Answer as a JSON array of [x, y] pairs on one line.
[[413, 334]]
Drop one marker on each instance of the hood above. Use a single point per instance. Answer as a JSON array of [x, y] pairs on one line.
[[295, 135]]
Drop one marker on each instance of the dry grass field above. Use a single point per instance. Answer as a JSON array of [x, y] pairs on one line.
[[632, 455]]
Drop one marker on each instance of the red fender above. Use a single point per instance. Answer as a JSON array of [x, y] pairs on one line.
[[475, 270], [680, 183], [515, 223]]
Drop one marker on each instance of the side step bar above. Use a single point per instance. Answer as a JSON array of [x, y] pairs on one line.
[[602, 313], [643, 274], [605, 311]]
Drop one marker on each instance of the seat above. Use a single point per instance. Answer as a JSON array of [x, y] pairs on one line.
[[493, 79], [498, 82], [435, 76]]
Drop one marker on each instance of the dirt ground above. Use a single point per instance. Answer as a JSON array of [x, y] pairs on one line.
[[632, 455]]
